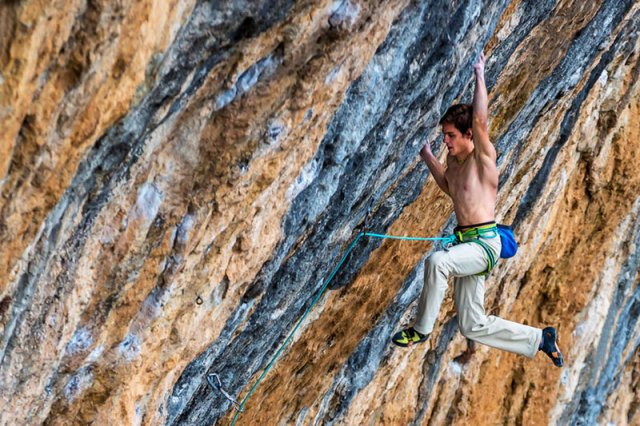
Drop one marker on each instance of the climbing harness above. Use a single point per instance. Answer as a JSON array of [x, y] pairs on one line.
[[474, 234], [446, 243]]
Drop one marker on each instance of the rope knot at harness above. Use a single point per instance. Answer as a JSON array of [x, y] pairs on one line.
[[447, 242]]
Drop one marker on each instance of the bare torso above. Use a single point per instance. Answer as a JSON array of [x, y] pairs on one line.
[[473, 187]]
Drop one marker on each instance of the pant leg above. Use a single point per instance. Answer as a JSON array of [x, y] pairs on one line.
[[460, 260], [464, 261], [488, 329]]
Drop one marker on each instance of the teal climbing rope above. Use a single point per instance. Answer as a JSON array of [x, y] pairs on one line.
[[445, 240], [450, 239]]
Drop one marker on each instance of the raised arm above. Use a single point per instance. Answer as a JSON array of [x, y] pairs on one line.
[[480, 120], [436, 169]]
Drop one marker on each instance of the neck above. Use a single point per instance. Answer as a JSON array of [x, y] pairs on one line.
[[462, 157]]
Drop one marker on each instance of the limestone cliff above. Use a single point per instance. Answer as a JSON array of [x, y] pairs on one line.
[[179, 179]]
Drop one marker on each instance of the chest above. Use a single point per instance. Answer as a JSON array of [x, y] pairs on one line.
[[462, 177]]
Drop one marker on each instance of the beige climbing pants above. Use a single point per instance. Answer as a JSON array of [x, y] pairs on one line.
[[464, 261]]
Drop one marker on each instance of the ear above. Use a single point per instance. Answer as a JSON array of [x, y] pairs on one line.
[[469, 134]]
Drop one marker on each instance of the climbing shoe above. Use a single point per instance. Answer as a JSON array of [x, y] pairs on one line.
[[408, 337], [549, 345]]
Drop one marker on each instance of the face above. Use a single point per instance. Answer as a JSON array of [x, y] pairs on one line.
[[454, 139]]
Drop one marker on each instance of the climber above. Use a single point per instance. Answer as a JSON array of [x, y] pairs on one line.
[[471, 180]]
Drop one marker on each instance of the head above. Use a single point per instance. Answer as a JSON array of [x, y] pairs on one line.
[[456, 127]]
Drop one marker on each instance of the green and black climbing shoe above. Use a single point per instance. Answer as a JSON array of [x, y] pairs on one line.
[[549, 345], [408, 337]]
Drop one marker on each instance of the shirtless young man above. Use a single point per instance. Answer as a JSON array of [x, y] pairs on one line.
[[471, 180]]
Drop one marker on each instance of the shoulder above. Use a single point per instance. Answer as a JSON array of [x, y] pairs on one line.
[[484, 150], [483, 146], [486, 162]]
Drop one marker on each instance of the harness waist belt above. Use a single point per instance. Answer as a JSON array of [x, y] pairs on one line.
[[472, 232], [463, 227]]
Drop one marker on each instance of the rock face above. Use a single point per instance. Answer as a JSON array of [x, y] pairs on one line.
[[179, 179]]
